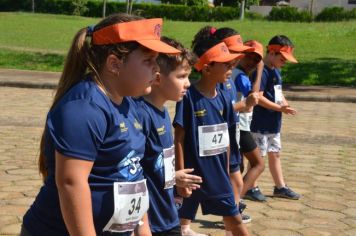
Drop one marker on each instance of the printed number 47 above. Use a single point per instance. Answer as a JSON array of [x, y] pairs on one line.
[[217, 138], [135, 206]]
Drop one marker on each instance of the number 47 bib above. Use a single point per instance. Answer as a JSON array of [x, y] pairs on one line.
[[213, 139], [131, 203]]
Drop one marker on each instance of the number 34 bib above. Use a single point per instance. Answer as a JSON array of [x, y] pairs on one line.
[[131, 203], [213, 139]]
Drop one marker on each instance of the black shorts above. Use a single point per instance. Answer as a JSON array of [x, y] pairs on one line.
[[247, 143]]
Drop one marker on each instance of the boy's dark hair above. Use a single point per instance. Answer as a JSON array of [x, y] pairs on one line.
[[204, 40], [225, 32], [169, 62], [280, 40]]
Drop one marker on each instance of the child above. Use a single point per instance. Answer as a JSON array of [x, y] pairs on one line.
[[204, 125], [91, 145], [235, 44], [158, 165], [267, 115], [248, 147]]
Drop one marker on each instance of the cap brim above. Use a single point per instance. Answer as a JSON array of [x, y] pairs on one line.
[[238, 48], [289, 57], [158, 46], [229, 57]]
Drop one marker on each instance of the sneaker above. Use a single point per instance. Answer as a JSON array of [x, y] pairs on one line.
[[242, 206], [285, 192], [245, 218], [190, 232], [255, 194]]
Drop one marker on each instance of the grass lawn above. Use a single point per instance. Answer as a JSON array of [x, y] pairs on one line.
[[326, 51]]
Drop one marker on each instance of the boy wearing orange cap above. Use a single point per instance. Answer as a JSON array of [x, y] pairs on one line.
[[267, 115]]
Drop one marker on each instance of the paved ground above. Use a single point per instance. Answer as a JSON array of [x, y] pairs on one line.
[[319, 161]]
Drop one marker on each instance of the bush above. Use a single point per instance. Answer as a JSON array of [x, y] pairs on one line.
[[254, 16], [186, 2], [95, 8], [335, 14], [291, 14]]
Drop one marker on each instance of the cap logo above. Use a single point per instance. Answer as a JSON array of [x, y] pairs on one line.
[[157, 30], [224, 49]]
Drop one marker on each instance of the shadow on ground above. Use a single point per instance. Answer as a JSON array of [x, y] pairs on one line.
[[322, 71]]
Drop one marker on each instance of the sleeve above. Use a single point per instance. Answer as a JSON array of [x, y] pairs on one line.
[[182, 113], [77, 129], [144, 119], [243, 84]]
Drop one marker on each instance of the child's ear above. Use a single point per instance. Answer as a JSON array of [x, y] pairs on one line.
[[113, 64], [206, 68]]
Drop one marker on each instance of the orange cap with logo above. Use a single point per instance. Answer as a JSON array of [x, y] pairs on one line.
[[286, 51], [235, 43], [256, 47], [218, 53], [146, 32]]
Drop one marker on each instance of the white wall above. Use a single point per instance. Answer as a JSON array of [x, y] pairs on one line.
[[320, 4]]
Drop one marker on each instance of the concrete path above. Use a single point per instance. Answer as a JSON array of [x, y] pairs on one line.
[[319, 161]]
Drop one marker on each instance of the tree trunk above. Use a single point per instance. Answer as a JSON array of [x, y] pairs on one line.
[[242, 9], [33, 6], [104, 8]]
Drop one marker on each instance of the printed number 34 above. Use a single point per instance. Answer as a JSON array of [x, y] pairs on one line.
[[217, 138], [135, 206]]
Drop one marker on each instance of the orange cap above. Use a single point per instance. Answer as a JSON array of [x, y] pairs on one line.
[[256, 47], [146, 32], [235, 43], [218, 53], [286, 51]]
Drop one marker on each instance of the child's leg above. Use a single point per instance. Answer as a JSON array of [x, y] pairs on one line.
[[234, 223], [186, 214], [275, 168], [255, 169], [274, 160], [237, 184]]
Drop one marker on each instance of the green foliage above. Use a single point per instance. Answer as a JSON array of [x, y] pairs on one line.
[[79, 7], [254, 16], [186, 2], [335, 14], [291, 14]]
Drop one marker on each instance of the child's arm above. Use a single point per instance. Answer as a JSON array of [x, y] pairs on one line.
[[185, 180], [259, 71], [179, 136]]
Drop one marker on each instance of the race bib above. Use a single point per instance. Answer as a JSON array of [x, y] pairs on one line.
[[237, 133], [278, 94], [169, 167], [213, 139], [131, 203]]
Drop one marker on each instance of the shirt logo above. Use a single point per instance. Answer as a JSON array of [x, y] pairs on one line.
[[123, 127], [200, 113], [228, 86], [161, 130], [137, 125], [221, 112]]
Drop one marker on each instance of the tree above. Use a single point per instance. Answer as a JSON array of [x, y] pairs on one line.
[[242, 10], [104, 8], [129, 4], [33, 6]]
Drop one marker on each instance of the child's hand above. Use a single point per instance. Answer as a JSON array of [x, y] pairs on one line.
[[185, 180], [288, 110], [252, 99], [184, 192]]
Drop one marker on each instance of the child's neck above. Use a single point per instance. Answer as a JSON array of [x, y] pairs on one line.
[[206, 87], [156, 99], [268, 63]]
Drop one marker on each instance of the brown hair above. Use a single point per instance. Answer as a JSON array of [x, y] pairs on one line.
[[84, 58], [169, 62]]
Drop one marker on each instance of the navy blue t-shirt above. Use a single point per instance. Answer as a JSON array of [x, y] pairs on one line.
[[267, 121], [156, 125], [229, 87], [85, 124], [197, 110]]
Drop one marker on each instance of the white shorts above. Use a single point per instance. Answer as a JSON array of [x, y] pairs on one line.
[[268, 142]]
